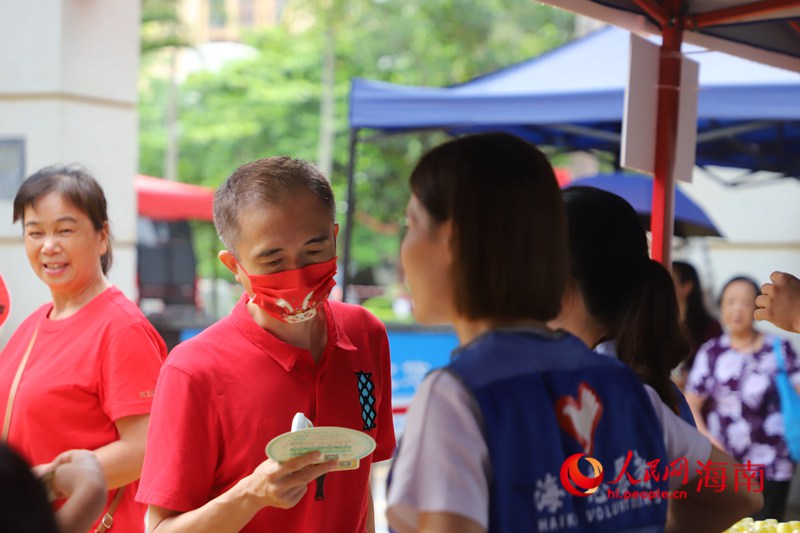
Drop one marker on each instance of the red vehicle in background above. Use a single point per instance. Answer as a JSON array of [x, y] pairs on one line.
[[166, 260]]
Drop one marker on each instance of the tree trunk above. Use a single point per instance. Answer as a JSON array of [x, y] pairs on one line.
[[326, 104], [171, 151]]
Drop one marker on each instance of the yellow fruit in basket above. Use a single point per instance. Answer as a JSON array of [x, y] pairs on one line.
[[742, 526]]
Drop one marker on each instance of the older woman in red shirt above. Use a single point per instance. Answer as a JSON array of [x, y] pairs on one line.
[[79, 372]]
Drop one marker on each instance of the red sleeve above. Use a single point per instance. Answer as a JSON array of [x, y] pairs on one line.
[[385, 438], [182, 444], [129, 370]]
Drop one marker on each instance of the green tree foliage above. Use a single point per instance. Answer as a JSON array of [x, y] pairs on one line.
[[161, 27], [161, 31], [269, 104]]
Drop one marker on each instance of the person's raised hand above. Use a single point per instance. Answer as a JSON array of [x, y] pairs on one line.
[[41, 470], [779, 302], [77, 470], [77, 476], [282, 485]]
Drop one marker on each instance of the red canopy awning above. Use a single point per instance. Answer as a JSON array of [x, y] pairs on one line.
[[162, 199]]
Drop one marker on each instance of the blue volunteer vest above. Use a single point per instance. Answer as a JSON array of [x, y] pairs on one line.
[[684, 411], [539, 396]]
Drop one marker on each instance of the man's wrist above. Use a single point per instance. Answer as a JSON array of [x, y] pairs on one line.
[[246, 494]]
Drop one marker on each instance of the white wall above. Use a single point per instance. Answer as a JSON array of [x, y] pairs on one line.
[[761, 226], [69, 90]]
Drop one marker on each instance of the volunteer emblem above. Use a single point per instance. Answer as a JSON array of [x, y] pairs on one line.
[[366, 397], [579, 418]]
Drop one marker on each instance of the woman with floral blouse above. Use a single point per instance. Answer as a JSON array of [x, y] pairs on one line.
[[731, 389]]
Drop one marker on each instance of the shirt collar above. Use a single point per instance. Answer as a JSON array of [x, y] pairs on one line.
[[339, 338], [283, 353], [607, 348]]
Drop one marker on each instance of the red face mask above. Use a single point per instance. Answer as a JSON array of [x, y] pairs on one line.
[[293, 296]]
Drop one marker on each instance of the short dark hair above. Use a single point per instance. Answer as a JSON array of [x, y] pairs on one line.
[[631, 295], [77, 186], [746, 279], [23, 499], [509, 228], [267, 181]]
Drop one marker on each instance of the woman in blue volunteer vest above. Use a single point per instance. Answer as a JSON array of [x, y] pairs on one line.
[[623, 304], [518, 432], [628, 298]]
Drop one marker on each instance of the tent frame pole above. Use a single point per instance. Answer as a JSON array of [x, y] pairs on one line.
[[655, 10], [668, 107], [742, 13], [351, 208], [669, 82]]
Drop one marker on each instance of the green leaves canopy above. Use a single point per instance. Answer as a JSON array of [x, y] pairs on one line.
[[269, 104]]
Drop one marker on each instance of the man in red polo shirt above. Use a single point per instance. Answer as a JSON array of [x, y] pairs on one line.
[[224, 394]]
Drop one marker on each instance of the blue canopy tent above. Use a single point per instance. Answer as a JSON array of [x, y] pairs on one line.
[[690, 219], [765, 31], [572, 98]]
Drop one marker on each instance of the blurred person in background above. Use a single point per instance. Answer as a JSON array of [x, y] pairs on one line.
[[700, 324], [23, 498], [79, 373], [486, 437], [24, 495], [779, 302], [731, 389]]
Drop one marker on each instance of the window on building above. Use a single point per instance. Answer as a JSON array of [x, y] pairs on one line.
[[12, 167], [217, 15], [246, 14]]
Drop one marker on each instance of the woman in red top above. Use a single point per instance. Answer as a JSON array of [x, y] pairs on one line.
[[82, 367]]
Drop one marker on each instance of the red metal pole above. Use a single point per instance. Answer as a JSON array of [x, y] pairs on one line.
[[654, 9], [669, 81]]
